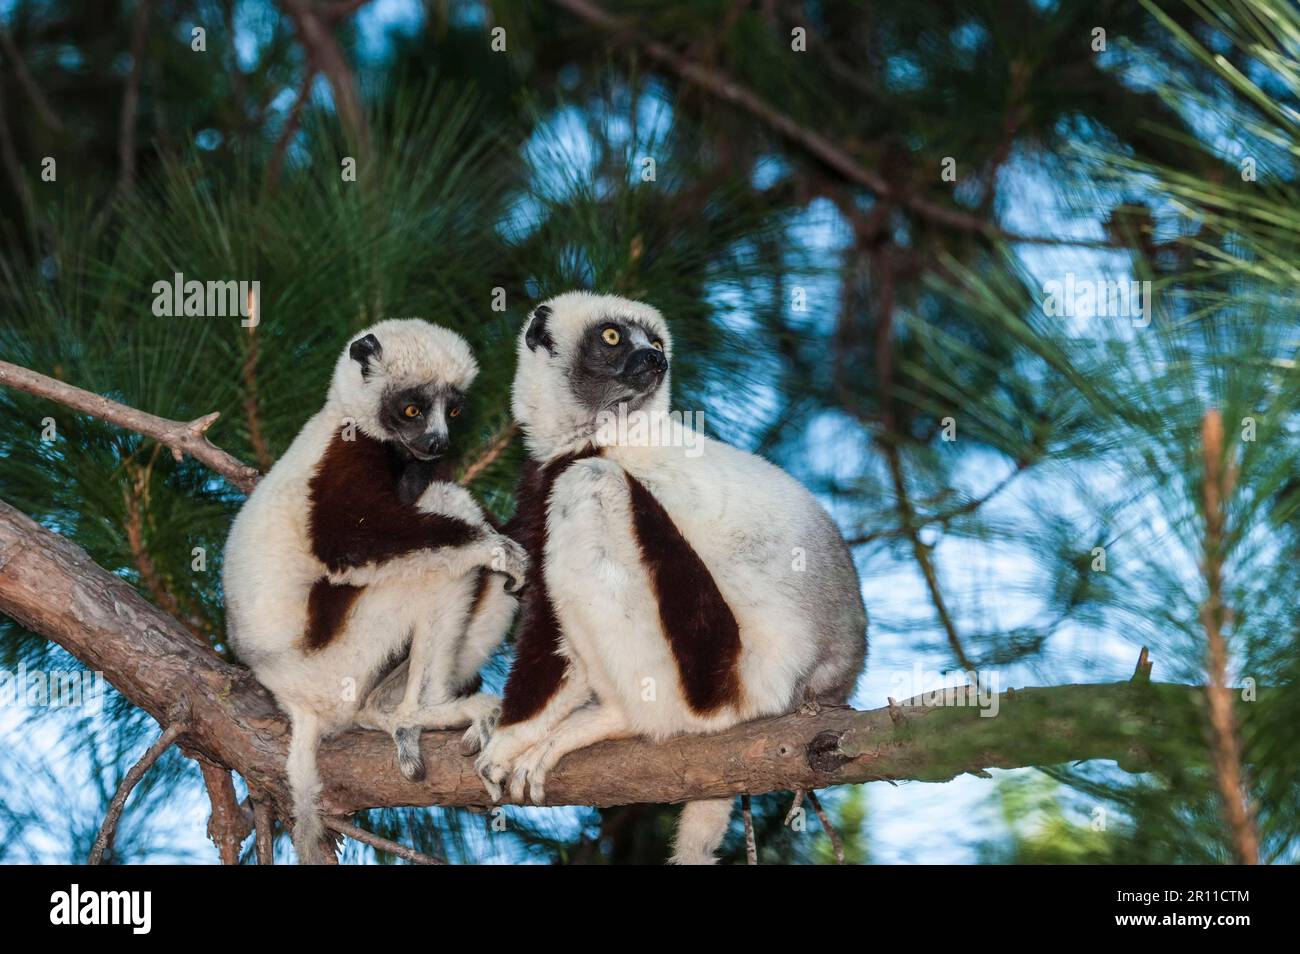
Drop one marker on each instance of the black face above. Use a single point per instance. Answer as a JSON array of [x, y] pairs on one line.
[[618, 361], [419, 418]]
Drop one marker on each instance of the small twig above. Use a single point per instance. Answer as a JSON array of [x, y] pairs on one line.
[[836, 844], [291, 123], [894, 457], [264, 823], [1227, 746], [1143, 671], [135, 498], [230, 822], [383, 844], [895, 713], [181, 437], [13, 167], [261, 450], [24, 76], [942, 518], [131, 99], [751, 846], [104, 840], [489, 454]]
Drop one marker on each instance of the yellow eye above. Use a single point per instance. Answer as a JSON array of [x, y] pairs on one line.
[[657, 345], [610, 335], [411, 410], [454, 412]]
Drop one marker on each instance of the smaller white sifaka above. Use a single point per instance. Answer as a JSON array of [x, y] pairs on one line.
[[361, 589]]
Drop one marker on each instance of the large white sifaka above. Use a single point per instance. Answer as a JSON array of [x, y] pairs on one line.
[[676, 584]]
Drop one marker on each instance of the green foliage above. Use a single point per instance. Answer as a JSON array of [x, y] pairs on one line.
[[525, 172]]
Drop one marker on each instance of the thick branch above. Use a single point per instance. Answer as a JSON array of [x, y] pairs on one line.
[[181, 437], [51, 586]]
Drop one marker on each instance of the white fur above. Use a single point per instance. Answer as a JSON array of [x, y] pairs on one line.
[[774, 553], [414, 352], [420, 601]]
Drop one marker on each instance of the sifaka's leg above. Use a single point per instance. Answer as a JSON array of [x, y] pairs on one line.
[[587, 726], [509, 743]]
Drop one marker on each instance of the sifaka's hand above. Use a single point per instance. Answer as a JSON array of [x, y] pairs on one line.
[[511, 560]]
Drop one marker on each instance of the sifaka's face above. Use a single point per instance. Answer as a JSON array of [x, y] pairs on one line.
[[617, 361], [412, 413], [420, 417]]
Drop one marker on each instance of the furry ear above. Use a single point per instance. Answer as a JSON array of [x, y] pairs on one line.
[[537, 333], [363, 349]]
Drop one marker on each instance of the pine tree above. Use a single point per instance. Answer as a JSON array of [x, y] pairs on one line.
[[854, 216]]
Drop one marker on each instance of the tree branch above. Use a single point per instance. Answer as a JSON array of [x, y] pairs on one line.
[[50, 585], [24, 77], [723, 87], [1218, 484], [489, 454], [290, 128], [230, 822], [104, 840], [264, 824], [315, 32], [131, 99], [383, 844], [183, 438]]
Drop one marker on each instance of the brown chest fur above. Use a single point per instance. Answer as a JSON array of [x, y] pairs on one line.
[[698, 623], [357, 518]]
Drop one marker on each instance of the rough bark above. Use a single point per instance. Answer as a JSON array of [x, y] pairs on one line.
[[230, 822], [50, 585]]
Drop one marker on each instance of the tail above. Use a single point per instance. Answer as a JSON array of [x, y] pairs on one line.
[[700, 830], [304, 784]]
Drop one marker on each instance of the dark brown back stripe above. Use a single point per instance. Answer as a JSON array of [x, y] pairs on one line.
[[327, 607], [357, 516], [699, 625], [538, 669]]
